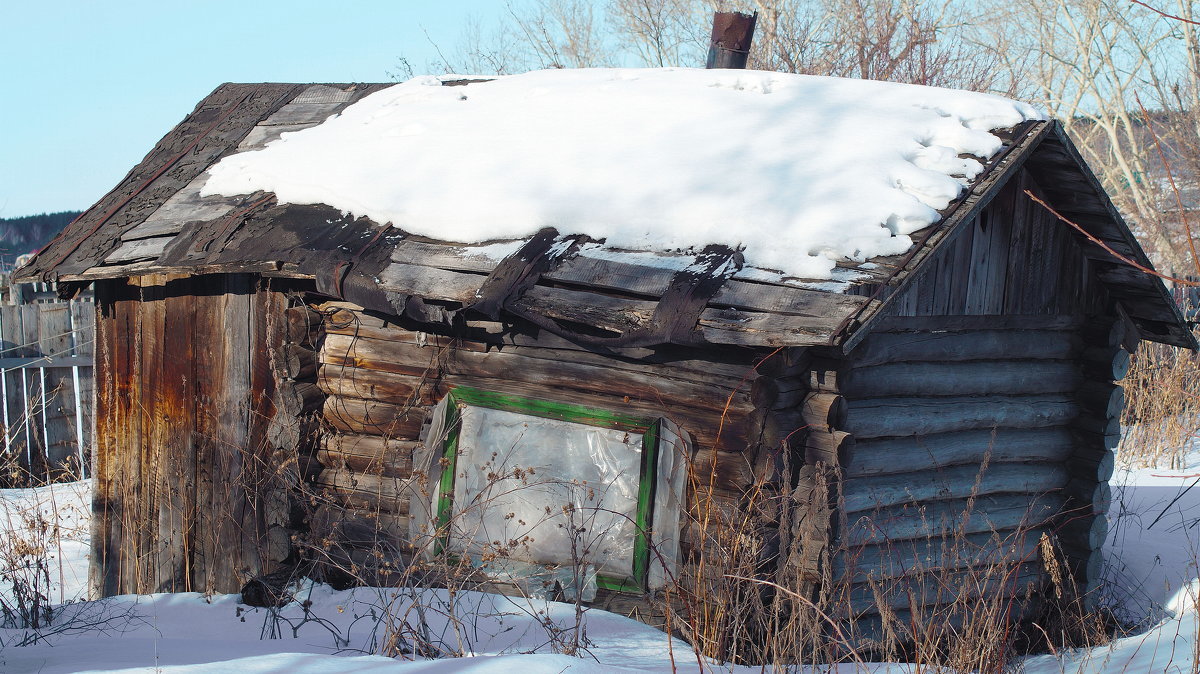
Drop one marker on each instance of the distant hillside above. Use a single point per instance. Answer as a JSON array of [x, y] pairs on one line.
[[29, 233]]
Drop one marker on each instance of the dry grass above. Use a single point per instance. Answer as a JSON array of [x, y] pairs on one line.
[[1016, 596], [1162, 412]]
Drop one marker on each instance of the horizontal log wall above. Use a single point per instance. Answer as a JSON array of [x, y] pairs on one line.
[[379, 381], [967, 446]]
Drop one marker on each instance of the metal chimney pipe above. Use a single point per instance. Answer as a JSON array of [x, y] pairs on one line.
[[731, 36]]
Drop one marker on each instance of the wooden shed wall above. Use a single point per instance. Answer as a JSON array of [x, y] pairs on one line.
[[191, 476], [207, 381], [982, 413], [381, 380]]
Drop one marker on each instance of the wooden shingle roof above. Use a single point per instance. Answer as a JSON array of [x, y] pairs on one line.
[[155, 221]]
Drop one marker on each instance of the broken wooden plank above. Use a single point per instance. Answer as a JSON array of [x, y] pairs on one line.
[[142, 249]]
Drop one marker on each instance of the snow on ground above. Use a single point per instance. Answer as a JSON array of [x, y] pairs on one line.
[[67, 505], [800, 170], [1152, 555], [186, 632]]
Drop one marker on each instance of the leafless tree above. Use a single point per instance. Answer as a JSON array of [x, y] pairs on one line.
[[1123, 81], [896, 40]]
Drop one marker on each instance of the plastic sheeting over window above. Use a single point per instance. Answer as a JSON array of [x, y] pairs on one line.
[[545, 494], [545, 491]]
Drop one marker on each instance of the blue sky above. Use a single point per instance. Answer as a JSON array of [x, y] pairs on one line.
[[90, 87]]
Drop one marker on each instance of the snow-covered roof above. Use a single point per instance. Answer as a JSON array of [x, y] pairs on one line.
[[803, 174], [797, 171]]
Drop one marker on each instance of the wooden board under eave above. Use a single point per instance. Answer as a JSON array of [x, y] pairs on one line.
[[184, 488]]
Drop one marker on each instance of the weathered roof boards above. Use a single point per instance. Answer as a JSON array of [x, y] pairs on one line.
[[282, 384]]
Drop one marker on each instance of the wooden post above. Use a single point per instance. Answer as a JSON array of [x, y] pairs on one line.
[[732, 34]]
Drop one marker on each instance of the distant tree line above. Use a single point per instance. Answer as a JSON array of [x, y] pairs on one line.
[[29, 233]]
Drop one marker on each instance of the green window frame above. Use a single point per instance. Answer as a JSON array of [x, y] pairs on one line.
[[588, 416]]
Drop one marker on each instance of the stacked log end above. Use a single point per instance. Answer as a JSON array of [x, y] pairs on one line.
[[292, 430], [816, 449], [371, 421], [1084, 526]]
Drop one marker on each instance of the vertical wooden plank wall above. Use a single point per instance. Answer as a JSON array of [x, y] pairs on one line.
[[997, 264], [184, 465], [58, 420]]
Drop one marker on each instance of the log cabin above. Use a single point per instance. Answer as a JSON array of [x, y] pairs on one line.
[[284, 383]]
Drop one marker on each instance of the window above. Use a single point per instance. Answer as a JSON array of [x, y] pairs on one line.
[[542, 489]]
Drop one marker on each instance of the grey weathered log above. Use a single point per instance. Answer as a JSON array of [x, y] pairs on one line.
[[366, 417], [1093, 441], [1090, 581], [298, 362], [834, 448], [995, 583], [303, 324], [868, 631], [1088, 496], [1102, 398], [870, 493], [659, 387], [370, 454], [1093, 465], [361, 527], [733, 433], [882, 456], [764, 392], [982, 377], [725, 470], [712, 514], [940, 347], [999, 512], [1106, 426], [1104, 332], [349, 322], [902, 558], [378, 385], [1132, 334], [1106, 363], [369, 491], [311, 396], [1086, 532], [716, 326], [1027, 324], [778, 427], [823, 411], [884, 417], [1086, 564]]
